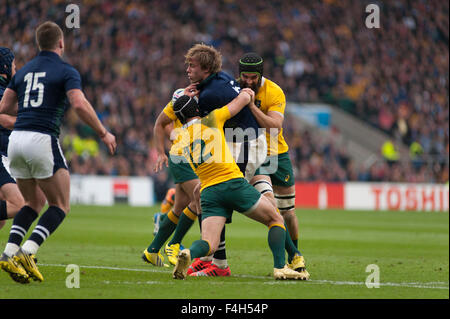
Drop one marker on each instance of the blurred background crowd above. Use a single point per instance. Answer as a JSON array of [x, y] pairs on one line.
[[130, 55]]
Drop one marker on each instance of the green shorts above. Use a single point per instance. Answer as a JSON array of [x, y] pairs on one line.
[[284, 175], [223, 198], [180, 170]]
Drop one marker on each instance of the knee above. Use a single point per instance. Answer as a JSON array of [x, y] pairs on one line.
[[289, 216], [276, 219]]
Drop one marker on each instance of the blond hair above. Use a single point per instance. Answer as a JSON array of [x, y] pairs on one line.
[[208, 57]]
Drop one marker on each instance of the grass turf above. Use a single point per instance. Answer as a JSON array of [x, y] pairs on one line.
[[411, 250]]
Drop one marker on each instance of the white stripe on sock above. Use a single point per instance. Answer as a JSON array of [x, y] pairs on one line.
[[45, 230], [15, 231], [21, 229], [37, 231]]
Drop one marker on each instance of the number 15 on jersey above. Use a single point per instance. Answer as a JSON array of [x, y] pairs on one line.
[[33, 84]]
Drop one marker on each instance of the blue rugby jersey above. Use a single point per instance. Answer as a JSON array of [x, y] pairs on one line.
[[218, 90], [41, 87], [4, 132]]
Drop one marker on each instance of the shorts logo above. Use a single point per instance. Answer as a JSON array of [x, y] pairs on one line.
[[287, 177]]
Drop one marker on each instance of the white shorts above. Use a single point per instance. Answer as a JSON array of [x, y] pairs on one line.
[[249, 160], [34, 155]]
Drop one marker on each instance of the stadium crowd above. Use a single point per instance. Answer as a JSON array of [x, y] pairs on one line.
[[130, 55]]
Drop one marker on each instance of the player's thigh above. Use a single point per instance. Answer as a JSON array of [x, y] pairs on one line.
[[265, 213], [263, 184], [211, 228], [32, 194], [57, 189], [189, 186], [181, 200]]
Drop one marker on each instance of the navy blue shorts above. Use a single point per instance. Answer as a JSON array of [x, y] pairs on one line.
[[5, 178]]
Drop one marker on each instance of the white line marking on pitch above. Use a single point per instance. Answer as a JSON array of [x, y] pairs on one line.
[[422, 285]]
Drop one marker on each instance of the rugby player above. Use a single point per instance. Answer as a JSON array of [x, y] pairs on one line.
[[37, 95], [276, 174], [223, 186]]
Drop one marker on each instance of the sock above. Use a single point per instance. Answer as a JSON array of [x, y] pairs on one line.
[[207, 258], [220, 256], [185, 222], [290, 247], [295, 241], [3, 210], [276, 239], [199, 248], [21, 223], [47, 224], [166, 228]]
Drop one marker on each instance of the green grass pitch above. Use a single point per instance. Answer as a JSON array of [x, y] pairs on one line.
[[411, 250]]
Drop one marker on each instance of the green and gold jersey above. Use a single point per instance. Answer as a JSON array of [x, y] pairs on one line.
[[202, 143], [270, 98]]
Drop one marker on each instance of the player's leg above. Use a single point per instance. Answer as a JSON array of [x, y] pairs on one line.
[[152, 254], [262, 183], [189, 212], [211, 228], [166, 206], [179, 219], [185, 180], [284, 189], [34, 202], [285, 198], [264, 212], [11, 201]]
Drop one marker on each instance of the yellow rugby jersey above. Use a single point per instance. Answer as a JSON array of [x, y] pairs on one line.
[[203, 144], [270, 97], [168, 110]]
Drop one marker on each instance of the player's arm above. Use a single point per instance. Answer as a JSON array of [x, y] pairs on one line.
[[7, 121], [158, 134], [87, 114], [270, 120], [8, 104], [245, 97]]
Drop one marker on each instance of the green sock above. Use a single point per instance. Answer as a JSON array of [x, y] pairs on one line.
[[277, 238], [166, 228], [295, 243], [183, 226], [290, 247], [199, 248]]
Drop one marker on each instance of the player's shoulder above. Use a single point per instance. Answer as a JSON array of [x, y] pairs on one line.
[[69, 67], [222, 75], [271, 85]]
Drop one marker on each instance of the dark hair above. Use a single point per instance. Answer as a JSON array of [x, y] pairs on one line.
[[47, 35], [186, 107]]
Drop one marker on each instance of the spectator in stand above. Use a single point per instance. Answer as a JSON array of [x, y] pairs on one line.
[[395, 78]]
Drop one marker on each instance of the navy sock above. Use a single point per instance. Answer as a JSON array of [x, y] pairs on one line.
[[221, 252], [22, 222], [3, 212], [47, 224]]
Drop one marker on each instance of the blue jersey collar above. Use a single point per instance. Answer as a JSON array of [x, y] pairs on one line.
[[50, 54], [203, 83]]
